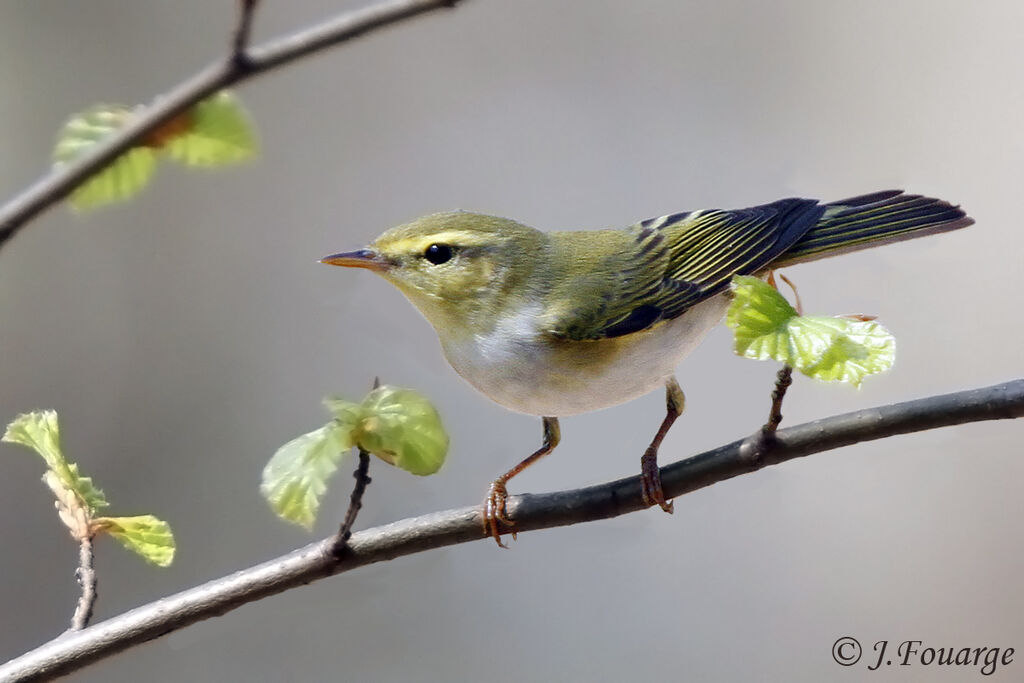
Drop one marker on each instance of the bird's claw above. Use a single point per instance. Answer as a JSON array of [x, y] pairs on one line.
[[650, 483], [495, 512]]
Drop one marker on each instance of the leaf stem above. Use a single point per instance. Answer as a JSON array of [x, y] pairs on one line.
[[86, 576], [796, 295], [783, 379], [240, 39], [363, 480]]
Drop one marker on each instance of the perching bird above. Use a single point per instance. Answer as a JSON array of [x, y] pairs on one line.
[[560, 323]]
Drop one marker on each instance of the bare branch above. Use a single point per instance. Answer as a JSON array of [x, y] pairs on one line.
[[240, 40], [75, 650], [363, 480], [86, 576], [60, 182], [783, 379]]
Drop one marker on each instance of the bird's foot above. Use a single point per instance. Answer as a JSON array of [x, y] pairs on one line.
[[495, 513], [650, 482]]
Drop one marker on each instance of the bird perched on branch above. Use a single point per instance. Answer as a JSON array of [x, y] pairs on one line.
[[560, 323]]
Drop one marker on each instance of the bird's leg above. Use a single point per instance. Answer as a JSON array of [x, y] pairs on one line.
[[494, 506], [650, 475]]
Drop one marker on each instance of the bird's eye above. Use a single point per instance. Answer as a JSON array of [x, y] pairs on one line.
[[438, 253]]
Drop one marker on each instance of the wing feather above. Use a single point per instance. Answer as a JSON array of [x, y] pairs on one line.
[[666, 265]]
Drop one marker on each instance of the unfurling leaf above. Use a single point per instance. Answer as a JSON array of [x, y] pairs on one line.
[[78, 499], [218, 133], [398, 425], [402, 427], [145, 535], [759, 317], [842, 349], [765, 327], [215, 132], [123, 178], [296, 477], [40, 431]]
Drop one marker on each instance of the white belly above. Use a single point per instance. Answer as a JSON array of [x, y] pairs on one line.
[[512, 367]]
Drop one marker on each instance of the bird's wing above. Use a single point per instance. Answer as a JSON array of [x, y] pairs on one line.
[[674, 262]]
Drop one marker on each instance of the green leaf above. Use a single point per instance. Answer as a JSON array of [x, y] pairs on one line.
[[120, 180], [218, 132], [759, 316], [346, 412], [398, 425], [402, 427], [144, 535], [829, 349], [296, 477], [40, 431], [840, 349]]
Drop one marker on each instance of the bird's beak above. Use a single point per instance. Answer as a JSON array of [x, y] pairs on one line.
[[363, 258]]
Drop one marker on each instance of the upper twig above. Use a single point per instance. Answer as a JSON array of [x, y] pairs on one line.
[[240, 39], [60, 182]]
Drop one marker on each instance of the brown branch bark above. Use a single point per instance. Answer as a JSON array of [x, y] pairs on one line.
[[59, 183], [74, 650], [362, 477], [86, 576], [240, 39]]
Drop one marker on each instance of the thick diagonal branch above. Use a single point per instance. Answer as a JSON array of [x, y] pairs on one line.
[[75, 650]]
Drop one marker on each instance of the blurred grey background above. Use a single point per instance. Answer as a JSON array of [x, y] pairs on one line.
[[186, 335]]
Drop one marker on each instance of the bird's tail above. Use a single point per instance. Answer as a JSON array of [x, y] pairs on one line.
[[872, 220]]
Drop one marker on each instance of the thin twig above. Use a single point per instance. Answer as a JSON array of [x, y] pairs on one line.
[[60, 182], [86, 576], [355, 504], [782, 381], [761, 440], [799, 306], [240, 39], [73, 651]]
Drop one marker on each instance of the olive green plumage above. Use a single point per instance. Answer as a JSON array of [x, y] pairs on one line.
[[650, 272], [562, 323], [534, 319], [659, 268]]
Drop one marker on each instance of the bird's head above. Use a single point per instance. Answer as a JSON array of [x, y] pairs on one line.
[[459, 268]]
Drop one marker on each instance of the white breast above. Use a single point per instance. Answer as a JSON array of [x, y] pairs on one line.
[[511, 366]]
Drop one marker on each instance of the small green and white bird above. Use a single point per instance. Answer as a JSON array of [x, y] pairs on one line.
[[560, 323]]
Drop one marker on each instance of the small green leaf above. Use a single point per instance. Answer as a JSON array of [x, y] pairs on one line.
[[766, 327], [296, 477], [398, 425], [840, 349], [759, 316], [402, 427], [120, 180], [346, 412], [144, 535], [219, 132], [40, 431]]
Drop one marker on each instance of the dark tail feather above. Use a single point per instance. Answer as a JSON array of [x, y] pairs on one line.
[[872, 220]]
